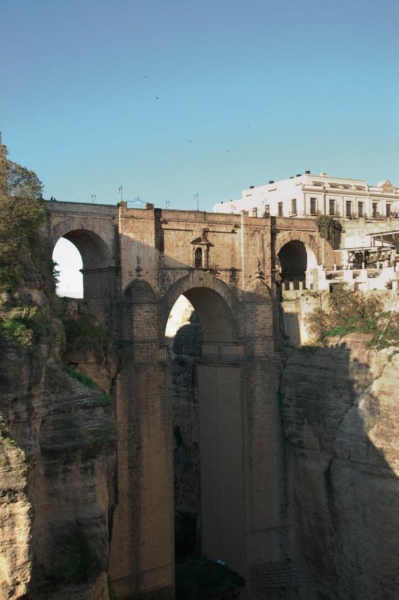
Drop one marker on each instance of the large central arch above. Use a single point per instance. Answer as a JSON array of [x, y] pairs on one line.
[[217, 306], [220, 416]]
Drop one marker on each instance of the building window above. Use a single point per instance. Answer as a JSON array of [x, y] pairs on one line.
[[255, 212], [375, 211], [267, 210], [313, 206], [280, 209], [360, 211], [348, 209], [198, 258], [332, 206], [388, 210], [293, 206]]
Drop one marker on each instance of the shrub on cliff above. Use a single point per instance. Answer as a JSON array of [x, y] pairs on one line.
[[354, 312], [328, 228], [198, 578]]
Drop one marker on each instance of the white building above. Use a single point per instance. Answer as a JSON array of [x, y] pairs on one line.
[[312, 195]]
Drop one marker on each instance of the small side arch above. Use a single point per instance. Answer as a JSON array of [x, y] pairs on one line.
[[314, 242], [97, 260]]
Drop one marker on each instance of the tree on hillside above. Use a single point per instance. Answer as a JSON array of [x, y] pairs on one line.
[[25, 251], [20, 182]]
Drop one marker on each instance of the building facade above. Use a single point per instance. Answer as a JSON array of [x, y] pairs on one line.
[[312, 195]]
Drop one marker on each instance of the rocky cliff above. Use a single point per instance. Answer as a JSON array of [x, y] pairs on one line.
[[340, 411], [57, 458]]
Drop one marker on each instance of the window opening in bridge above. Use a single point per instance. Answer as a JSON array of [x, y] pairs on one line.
[[69, 265], [198, 258]]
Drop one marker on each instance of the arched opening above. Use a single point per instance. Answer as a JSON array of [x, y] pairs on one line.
[[69, 266], [297, 262], [184, 338], [94, 280], [207, 427]]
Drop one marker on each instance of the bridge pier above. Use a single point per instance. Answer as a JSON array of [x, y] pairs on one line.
[[142, 548]]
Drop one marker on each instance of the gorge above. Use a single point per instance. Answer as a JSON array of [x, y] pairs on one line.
[[285, 458]]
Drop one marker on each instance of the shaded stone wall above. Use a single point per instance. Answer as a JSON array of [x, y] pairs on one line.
[[341, 425], [187, 348]]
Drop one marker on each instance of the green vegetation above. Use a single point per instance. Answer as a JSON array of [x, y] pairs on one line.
[[84, 333], [25, 253], [203, 579], [74, 560], [328, 228], [353, 312], [90, 384], [24, 245], [21, 319]]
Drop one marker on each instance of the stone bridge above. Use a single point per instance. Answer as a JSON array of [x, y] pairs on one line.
[[136, 264]]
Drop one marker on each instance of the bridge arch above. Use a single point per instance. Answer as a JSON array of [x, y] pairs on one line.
[[96, 258], [300, 253], [312, 241], [213, 300]]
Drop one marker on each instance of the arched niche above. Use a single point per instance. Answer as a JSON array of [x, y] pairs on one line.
[[297, 261], [293, 260]]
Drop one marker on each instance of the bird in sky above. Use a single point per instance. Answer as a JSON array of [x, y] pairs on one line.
[[156, 97]]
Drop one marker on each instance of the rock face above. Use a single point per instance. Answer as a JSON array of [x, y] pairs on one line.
[[57, 458], [341, 419]]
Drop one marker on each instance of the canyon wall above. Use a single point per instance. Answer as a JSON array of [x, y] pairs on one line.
[[57, 459], [340, 408], [340, 412]]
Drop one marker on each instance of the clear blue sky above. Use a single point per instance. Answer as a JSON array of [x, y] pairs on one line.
[[263, 89]]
